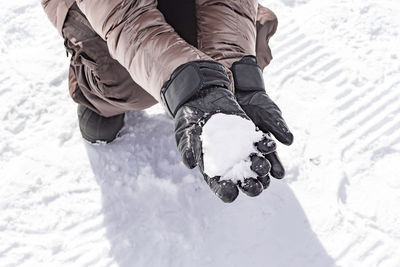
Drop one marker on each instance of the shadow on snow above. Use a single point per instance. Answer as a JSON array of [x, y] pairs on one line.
[[159, 213]]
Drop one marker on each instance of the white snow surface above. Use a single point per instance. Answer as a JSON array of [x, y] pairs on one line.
[[335, 75], [227, 142]]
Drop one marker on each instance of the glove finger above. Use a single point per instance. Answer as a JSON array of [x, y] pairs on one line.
[[268, 117], [260, 165], [251, 187], [264, 180], [189, 144], [226, 190], [277, 169], [266, 145], [276, 125]]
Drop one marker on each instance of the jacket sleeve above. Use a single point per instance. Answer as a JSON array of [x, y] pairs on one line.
[[57, 11], [140, 39], [267, 23]]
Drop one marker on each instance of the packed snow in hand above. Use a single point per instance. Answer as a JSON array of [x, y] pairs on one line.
[[228, 140]]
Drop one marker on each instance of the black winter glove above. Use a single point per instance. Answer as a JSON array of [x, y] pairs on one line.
[[251, 96], [196, 91]]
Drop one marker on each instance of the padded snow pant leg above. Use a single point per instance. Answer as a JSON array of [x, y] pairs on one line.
[[227, 29], [231, 29], [96, 80], [267, 24]]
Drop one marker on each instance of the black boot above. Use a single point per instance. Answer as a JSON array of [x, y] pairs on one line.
[[96, 128]]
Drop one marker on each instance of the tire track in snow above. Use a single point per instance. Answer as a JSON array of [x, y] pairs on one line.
[[303, 54], [368, 116], [364, 115], [369, 244], [365, 112]]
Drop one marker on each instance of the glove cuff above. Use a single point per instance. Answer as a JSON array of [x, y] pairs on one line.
[[189, 79], [247, 75]]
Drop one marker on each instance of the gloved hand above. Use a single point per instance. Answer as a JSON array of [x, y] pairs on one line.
[[195, 92], [251, 96]]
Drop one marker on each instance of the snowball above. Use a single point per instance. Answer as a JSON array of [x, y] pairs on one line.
[[228, 140]]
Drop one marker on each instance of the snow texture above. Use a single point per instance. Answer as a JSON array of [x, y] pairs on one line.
[[228, 141], [335, 75]]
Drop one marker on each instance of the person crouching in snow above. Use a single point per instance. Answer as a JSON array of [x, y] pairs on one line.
[[197, 58]]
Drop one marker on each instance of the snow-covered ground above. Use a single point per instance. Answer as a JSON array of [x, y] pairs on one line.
[[132, 203]]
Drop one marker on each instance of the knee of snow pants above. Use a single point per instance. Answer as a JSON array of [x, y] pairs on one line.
[[227, 29], [231, 29], [267, 24], [97, 80]]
